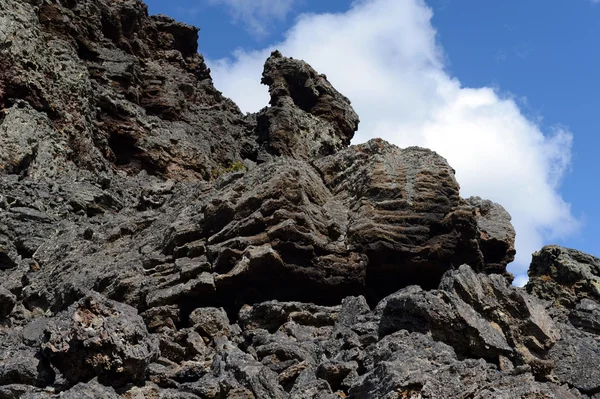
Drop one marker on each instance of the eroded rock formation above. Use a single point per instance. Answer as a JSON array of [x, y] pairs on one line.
[[156, 242]]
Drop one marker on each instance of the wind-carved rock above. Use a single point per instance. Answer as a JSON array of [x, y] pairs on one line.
[[307, 116], [156, 242], [368, 220]]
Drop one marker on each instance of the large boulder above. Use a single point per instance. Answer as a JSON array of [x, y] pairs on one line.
[[564, 276], [413, 365], [308, 117], [406, 215], [480, 316], [96, 337], [21, 362]]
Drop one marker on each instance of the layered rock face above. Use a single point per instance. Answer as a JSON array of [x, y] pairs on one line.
[[156, 242]]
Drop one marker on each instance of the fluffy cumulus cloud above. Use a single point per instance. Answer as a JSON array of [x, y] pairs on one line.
[[257, 14], [383, 55]]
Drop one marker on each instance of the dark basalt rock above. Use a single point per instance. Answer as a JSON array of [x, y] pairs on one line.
[[368, 220], [414, 365], [156, 242], [480, 316], [564, 275], [96, 337], [90, 390], [307, 116], [497, 235], [21, 362], [119, 82], [7, 302]]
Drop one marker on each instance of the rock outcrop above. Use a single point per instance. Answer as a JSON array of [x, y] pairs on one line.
[[156, 242], [307, 116], [564, 275]]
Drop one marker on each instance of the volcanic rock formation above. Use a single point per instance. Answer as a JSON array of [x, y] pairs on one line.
[[155, 242]]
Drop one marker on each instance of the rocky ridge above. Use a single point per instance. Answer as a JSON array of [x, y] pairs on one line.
[[156, 242]]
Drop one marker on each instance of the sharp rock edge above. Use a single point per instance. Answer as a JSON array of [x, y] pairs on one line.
[[156, 242]]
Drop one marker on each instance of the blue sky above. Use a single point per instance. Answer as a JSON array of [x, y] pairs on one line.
[[506, 90]]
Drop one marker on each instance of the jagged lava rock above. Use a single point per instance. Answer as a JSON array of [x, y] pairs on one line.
[[113, 88], [307, 116], [156, 242], [406, 214], [569, 280], [497, 234], [21, 362], [480, 316], [564, 275], [412, 365], [103, 338], [368, 220], [332, 222]]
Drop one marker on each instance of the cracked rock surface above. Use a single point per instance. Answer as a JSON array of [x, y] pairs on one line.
[[155, 242]]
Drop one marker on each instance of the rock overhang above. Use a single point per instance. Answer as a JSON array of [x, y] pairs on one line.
[[139, 185]]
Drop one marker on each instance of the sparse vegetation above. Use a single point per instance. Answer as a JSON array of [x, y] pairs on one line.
[[236, 166]]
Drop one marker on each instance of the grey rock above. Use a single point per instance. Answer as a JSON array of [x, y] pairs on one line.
[[335, 373], [497, 235], [564, 275], [202, 286], [273, 314], [480, 316], [586, 316], [21, 391], [103, 338], [151, 390], [90, 390], [307, 385], [405, 205], [156, 242], [413, 365], [21, 363], [307, 117], [577, 359], [9, 256], [164, 316], [252, 374], [213, 322], [7, 302]]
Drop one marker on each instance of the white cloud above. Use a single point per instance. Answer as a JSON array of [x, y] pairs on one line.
[[383, 55], [257, 14]]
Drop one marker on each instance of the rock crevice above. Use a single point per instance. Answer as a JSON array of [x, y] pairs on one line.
[[156, 242]]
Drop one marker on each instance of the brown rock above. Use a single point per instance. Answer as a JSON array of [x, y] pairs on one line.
[[564, 275], [406, 214], [497, 235], [307, 117], [103, 338]]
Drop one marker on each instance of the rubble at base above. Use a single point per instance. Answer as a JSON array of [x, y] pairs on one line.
[[155, 242]]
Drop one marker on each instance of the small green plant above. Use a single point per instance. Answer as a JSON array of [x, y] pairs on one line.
[[236, 166]]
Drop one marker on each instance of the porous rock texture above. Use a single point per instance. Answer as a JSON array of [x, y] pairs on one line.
[[156, 242]]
